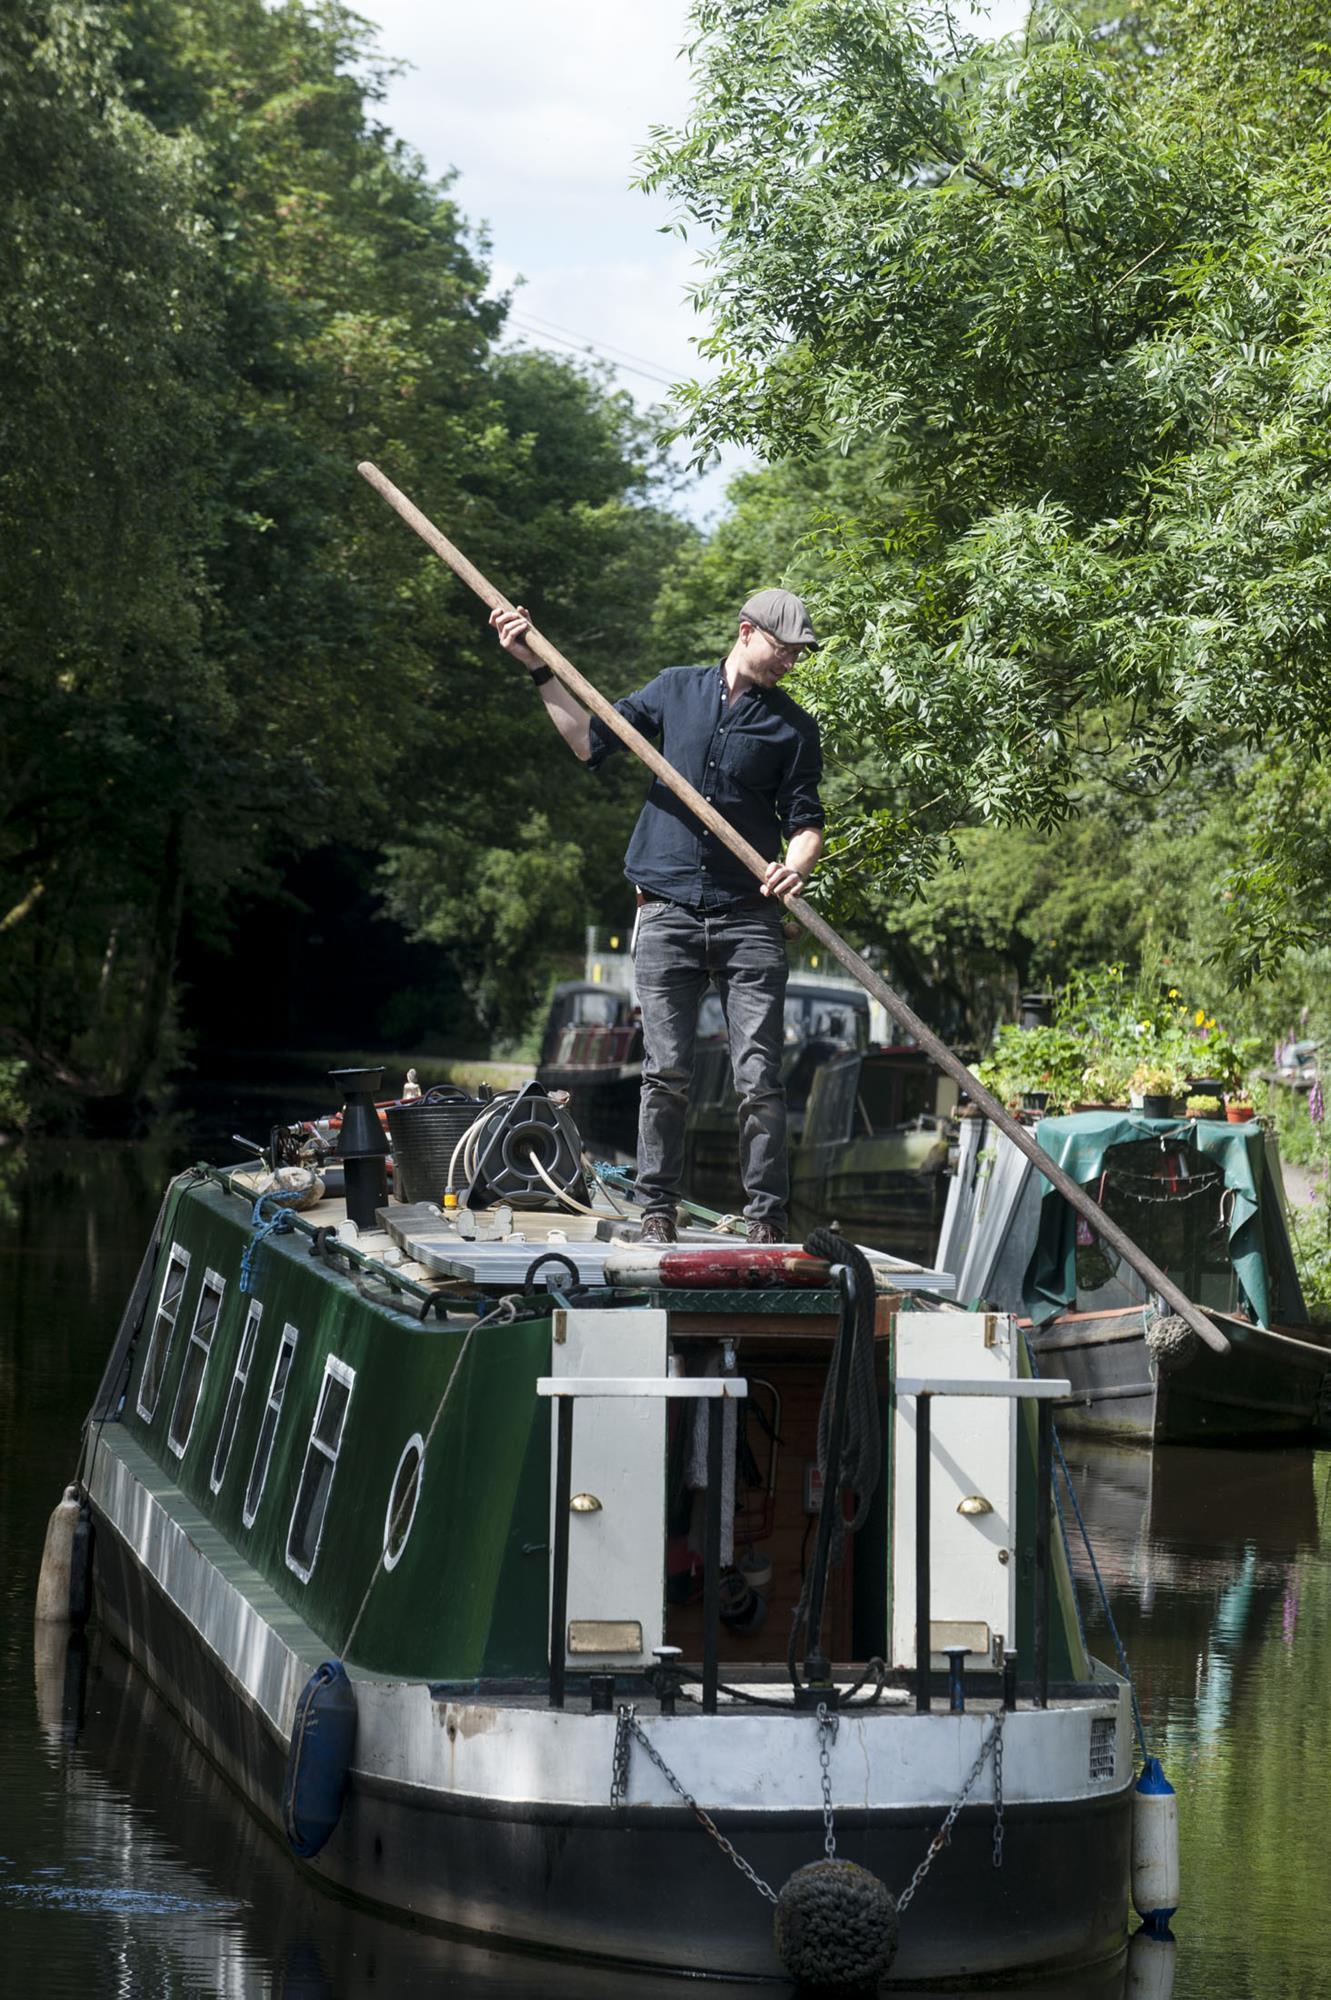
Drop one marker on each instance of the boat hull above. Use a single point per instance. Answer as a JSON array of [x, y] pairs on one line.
[[639, 1885], [1269, 1388]]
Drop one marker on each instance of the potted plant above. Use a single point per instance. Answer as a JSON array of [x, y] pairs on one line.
[[1158, 1084], [1104, 1085], [1238, 1110], [1204, 1106], [1035, 1068]]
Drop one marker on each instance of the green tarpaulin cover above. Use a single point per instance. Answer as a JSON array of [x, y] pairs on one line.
[[1079, 1144]]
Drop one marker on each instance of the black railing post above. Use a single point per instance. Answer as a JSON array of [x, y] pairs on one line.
[[922, 1468], [559, 1568], [711, 1574], [1044, 1482]]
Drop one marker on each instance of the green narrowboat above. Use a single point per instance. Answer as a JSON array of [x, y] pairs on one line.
[[544, 1503]]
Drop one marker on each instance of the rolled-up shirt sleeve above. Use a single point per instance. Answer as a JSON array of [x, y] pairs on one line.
[[643, 710], [797, 801]]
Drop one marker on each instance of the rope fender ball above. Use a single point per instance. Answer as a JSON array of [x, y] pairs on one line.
[[1171, 1341], [836, 1926]]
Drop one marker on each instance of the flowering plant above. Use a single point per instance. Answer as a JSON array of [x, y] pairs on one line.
[[1111, 1032], [1157, 1079]]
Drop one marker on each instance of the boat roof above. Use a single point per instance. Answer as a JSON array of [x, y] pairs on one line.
[[432, 1250]]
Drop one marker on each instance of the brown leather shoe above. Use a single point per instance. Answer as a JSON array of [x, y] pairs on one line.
[[766, 1232], [657, 1228]]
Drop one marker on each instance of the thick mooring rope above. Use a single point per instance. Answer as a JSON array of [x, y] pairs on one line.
[[861, 1441]]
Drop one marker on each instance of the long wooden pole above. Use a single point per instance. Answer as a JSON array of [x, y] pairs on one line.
[[816, 925]]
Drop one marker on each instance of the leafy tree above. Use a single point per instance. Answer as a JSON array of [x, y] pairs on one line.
[[1077, 303], [108, 332], [511, 860], [223, 282]]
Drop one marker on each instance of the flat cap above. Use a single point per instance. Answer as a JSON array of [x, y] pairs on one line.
[[782, 614]]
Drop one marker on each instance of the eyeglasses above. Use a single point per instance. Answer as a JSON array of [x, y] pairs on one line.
[[792, 647]]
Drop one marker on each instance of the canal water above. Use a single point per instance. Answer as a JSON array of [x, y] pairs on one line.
[[128, 1868]]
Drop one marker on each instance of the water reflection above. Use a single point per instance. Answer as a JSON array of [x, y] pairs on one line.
[[1216, 1566]]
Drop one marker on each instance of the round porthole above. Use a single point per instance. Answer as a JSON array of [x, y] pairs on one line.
[[406, 1491]]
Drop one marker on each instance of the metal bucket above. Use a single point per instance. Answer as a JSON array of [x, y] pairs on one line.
[[425, 1133]]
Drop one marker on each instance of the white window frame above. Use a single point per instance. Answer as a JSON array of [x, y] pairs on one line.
[[249, 1337], [273, 1401], [213, 1282], [334, 1370], [164, 1322], [414, 1443]]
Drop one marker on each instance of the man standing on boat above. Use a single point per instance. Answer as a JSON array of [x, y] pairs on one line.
[[754, 754]]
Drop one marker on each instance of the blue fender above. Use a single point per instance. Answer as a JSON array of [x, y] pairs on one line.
[[323, 1736]]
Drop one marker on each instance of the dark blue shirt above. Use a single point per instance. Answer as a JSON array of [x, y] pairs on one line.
[[757, 759]]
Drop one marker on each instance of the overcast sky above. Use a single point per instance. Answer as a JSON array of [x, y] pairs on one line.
[[542, 109]]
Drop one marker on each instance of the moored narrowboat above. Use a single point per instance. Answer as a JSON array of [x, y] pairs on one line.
[[875, 1147], [541, 1504], [1204, 1199]]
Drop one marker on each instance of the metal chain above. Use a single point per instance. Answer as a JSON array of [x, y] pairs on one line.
[[998, 1792], [619, 1769], [940, 1839], [629, 1724], [827, 1728]]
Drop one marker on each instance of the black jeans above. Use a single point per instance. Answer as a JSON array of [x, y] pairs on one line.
[[743, 951]]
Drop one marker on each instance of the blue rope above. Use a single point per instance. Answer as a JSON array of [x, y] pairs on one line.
[[1119, 1648], [263, 1226]]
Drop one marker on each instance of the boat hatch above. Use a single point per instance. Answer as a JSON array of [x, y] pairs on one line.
[[631, 1533]]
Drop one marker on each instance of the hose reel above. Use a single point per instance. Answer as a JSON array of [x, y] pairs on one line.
[[530, 1152]]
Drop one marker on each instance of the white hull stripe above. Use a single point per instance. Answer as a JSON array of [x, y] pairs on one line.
[[523, 1752]]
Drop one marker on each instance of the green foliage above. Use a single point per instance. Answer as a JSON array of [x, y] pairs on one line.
[[15, 1110], [1306, 1141], [1114, 1034], [1131, 1025], [524, 892], [1026, 1060], [1076, 305], [222, 283]]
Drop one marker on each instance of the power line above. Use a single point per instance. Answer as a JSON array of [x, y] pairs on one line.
[[611, 346], [581, 345]]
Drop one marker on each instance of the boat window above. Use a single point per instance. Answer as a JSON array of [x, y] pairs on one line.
[[196, 1361], [832, 1014], [231, 1414], [402, 1500], [263, 1451], [316, 1479], [892, 1094], [164, 1325], [598, 1009], [799, 1078], [713, 1082], [1169, 1201], [832, 1102]]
